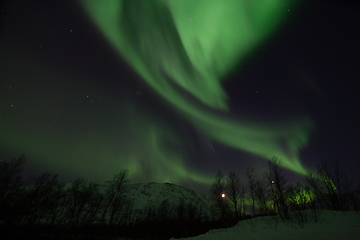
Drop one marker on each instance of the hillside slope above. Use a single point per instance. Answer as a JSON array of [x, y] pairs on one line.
[[167, 195]]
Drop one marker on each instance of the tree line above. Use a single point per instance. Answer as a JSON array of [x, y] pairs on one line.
[[44, 208]]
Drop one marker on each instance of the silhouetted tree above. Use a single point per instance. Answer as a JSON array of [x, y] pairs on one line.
[[331, 186], [10, 192], [315, 184], [261, 196], [115, 197], [79, 202], [217, 190], [251, 186], [10, 177], [343, 186], [41, 198], [279, 185], [300, 198], [242, 206], [233, 188]]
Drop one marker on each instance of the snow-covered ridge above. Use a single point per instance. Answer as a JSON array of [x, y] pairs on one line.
[[145, 194]]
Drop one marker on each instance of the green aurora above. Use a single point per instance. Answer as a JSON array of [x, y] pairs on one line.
[[183, 49]]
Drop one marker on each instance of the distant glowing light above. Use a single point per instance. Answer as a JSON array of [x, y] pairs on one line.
[[223, 195]]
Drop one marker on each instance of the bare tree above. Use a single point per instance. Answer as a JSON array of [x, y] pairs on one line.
[[300, 199], [271, 192], [10, 192], [79, 198], [41, 200], [10, 173], [343, 186], [324, 187], [218, 193], [332, 188], [320, 199], [279, 185], [233, 189], [251, 186], [242, 206], [115, 197], [261, 195], [329, 188]]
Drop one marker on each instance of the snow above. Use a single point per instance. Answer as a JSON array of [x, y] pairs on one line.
[[331, 225]]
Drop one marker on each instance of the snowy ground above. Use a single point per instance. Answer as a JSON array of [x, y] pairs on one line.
[[331, 225]]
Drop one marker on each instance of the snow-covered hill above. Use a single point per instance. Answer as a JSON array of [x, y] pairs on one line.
[[143, 194], [153, 195]]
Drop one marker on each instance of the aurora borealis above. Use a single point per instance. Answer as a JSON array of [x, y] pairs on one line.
[[181, 48], [171, 90]]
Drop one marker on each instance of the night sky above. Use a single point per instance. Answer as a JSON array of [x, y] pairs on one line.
[[173, 90]]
